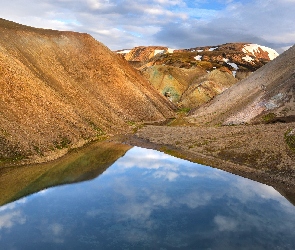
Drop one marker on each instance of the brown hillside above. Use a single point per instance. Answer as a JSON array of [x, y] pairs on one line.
[[188, 88], [205, 88], [60, 89], [267, 95], [172, 81]]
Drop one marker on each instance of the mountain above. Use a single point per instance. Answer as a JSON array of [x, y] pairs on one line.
[[192, 77], [62, 89], [239, 58], [267, 95]]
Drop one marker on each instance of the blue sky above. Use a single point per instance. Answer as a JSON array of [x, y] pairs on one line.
[[123, 24]]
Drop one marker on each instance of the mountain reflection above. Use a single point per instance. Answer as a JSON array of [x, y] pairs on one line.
[[149, 200], [81, 165]]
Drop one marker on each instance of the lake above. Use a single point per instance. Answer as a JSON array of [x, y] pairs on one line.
[[148, 200]]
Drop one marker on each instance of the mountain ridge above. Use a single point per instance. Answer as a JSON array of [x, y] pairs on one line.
[[239, 58], [268, 90], [206, 71]]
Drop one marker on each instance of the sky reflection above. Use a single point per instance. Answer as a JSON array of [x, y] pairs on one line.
[[151, 200]]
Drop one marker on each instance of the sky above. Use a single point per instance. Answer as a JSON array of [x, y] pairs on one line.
[[124, 24]]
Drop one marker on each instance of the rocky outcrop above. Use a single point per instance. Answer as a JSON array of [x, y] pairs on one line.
[[144, 54], [268, 95], [61, 89], [139, 56]]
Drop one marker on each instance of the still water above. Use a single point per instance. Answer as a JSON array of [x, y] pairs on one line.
[[149, 200]]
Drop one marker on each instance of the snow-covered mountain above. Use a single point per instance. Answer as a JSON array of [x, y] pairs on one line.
[[241, 59]]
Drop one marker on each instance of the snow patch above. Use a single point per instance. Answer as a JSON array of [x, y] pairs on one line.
[[200, 50], [247, 58], [198, 58], [126, 51], [252, 48], [158, 51], [234, 73], [233, 65], [212, 49], [170, 50]]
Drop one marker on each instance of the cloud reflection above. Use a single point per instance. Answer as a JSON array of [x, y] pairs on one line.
[[12, 205], [150, 200], [11, 216], [236, 201], [52, 232], [225, 223], [161, 165], [9, 219]]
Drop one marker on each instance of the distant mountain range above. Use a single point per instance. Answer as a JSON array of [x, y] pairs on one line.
[[239, 58], [192, 77]]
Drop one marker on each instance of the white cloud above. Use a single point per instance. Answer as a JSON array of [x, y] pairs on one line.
[[175, 23], [98, 4], [170, 2]]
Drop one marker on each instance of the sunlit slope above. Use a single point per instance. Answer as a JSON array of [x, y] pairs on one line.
[[268, 94], [63, 88]]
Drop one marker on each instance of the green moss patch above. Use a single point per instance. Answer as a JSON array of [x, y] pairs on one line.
[[269, 118], [290, 139]]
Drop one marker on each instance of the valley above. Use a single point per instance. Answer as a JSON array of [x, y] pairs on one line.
[[229, 106]]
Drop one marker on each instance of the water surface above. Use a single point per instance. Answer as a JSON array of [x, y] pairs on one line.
[[149, 200]]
